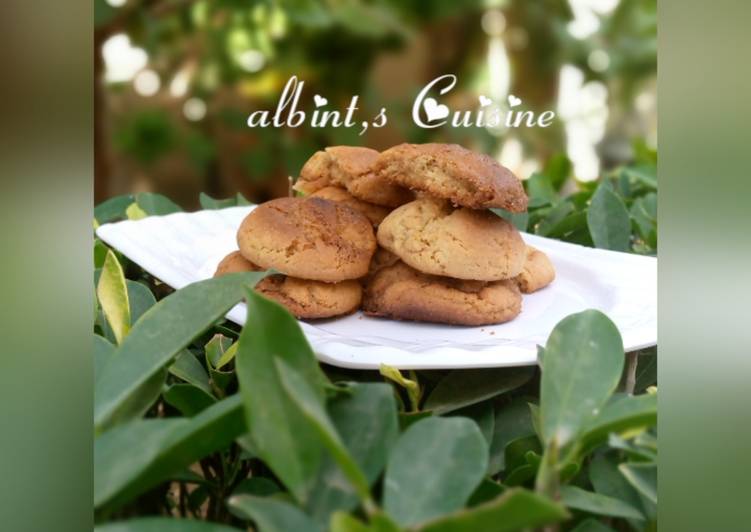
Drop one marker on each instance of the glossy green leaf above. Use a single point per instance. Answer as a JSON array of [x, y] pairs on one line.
[[520, 220], [583, 364], [511, 422], [463, 387], [646, 372], [133, 457], [272, 515], [624, 412], [414, 390], [156, 204], [591, 525], [103, 350], [163, 524], [608, 480], [140, 298], [434, 467], [139, 403], [485, 492], [113, 297], [216, 350], [484, 415], [282, 434], [643, 477], [185, 314], [100, 253], [365, 419], [517, 509], [187, 367], [188, 399], [207, 202], [312, 406], [608, 220], [558, 169], [540, 190], [134, 212], [596, 503], [113, 209]]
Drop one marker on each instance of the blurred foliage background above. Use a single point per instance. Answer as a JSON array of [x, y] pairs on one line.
[[175, 81]]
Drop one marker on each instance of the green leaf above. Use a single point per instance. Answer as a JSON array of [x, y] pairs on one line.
[[517, 509], [113, 209], [272, 515], [520, 220], [216, 350], [207, 202], [100, 253], [259, 486], [485, 492], [188, 399], [643, 477], [156, 204], [583, 364], [511, 422], [608, 480], [540, 190], [163, 524], [646, 372], [556, 216], [645, 174], [622, 413], [463, 387], [139, 403], [282, 434], [591, 525], [434, 467], [103, 350], [484, 415], [365, 419], [131, 458], [596, 503], [113, 296], [185, 314], [608, 220], [558, 169], [312, 407], [343, 522], [140, 298], [187, 367], [414, 390], [134, 212]]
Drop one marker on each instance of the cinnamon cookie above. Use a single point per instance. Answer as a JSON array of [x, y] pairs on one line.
[[310, 238], [433, 237], [303, 298], [374, 213], [454, 173], [538, 271], [403, 293], [350, 167]]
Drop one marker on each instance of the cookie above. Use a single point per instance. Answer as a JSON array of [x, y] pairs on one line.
[[538, 271], [374, 213], [403, 293], [350, 167], [452, 172], [309, 238], [433, 237], [312, 299], [303, 298]]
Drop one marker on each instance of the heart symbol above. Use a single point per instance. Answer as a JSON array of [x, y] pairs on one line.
[[513, 101], [434, 110], [320, 100], [485, 101]]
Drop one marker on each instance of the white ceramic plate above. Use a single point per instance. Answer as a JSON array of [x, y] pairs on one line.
[[182, 248]]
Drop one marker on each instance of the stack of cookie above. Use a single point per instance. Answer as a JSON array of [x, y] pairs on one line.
[[457, 261], [320, 248], [442, 255]]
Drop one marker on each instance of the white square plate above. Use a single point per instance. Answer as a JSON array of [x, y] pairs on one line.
[[182, 248]]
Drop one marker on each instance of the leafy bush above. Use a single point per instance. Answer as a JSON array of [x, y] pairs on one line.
[[202, 425]]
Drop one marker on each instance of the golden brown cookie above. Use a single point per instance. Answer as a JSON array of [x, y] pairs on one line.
[[538, 271], [403, 293], [433, 237], [454, 173], [303, 298], [374, 213], [234, 263], [312, 299], [310, 238], [350, 167]]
